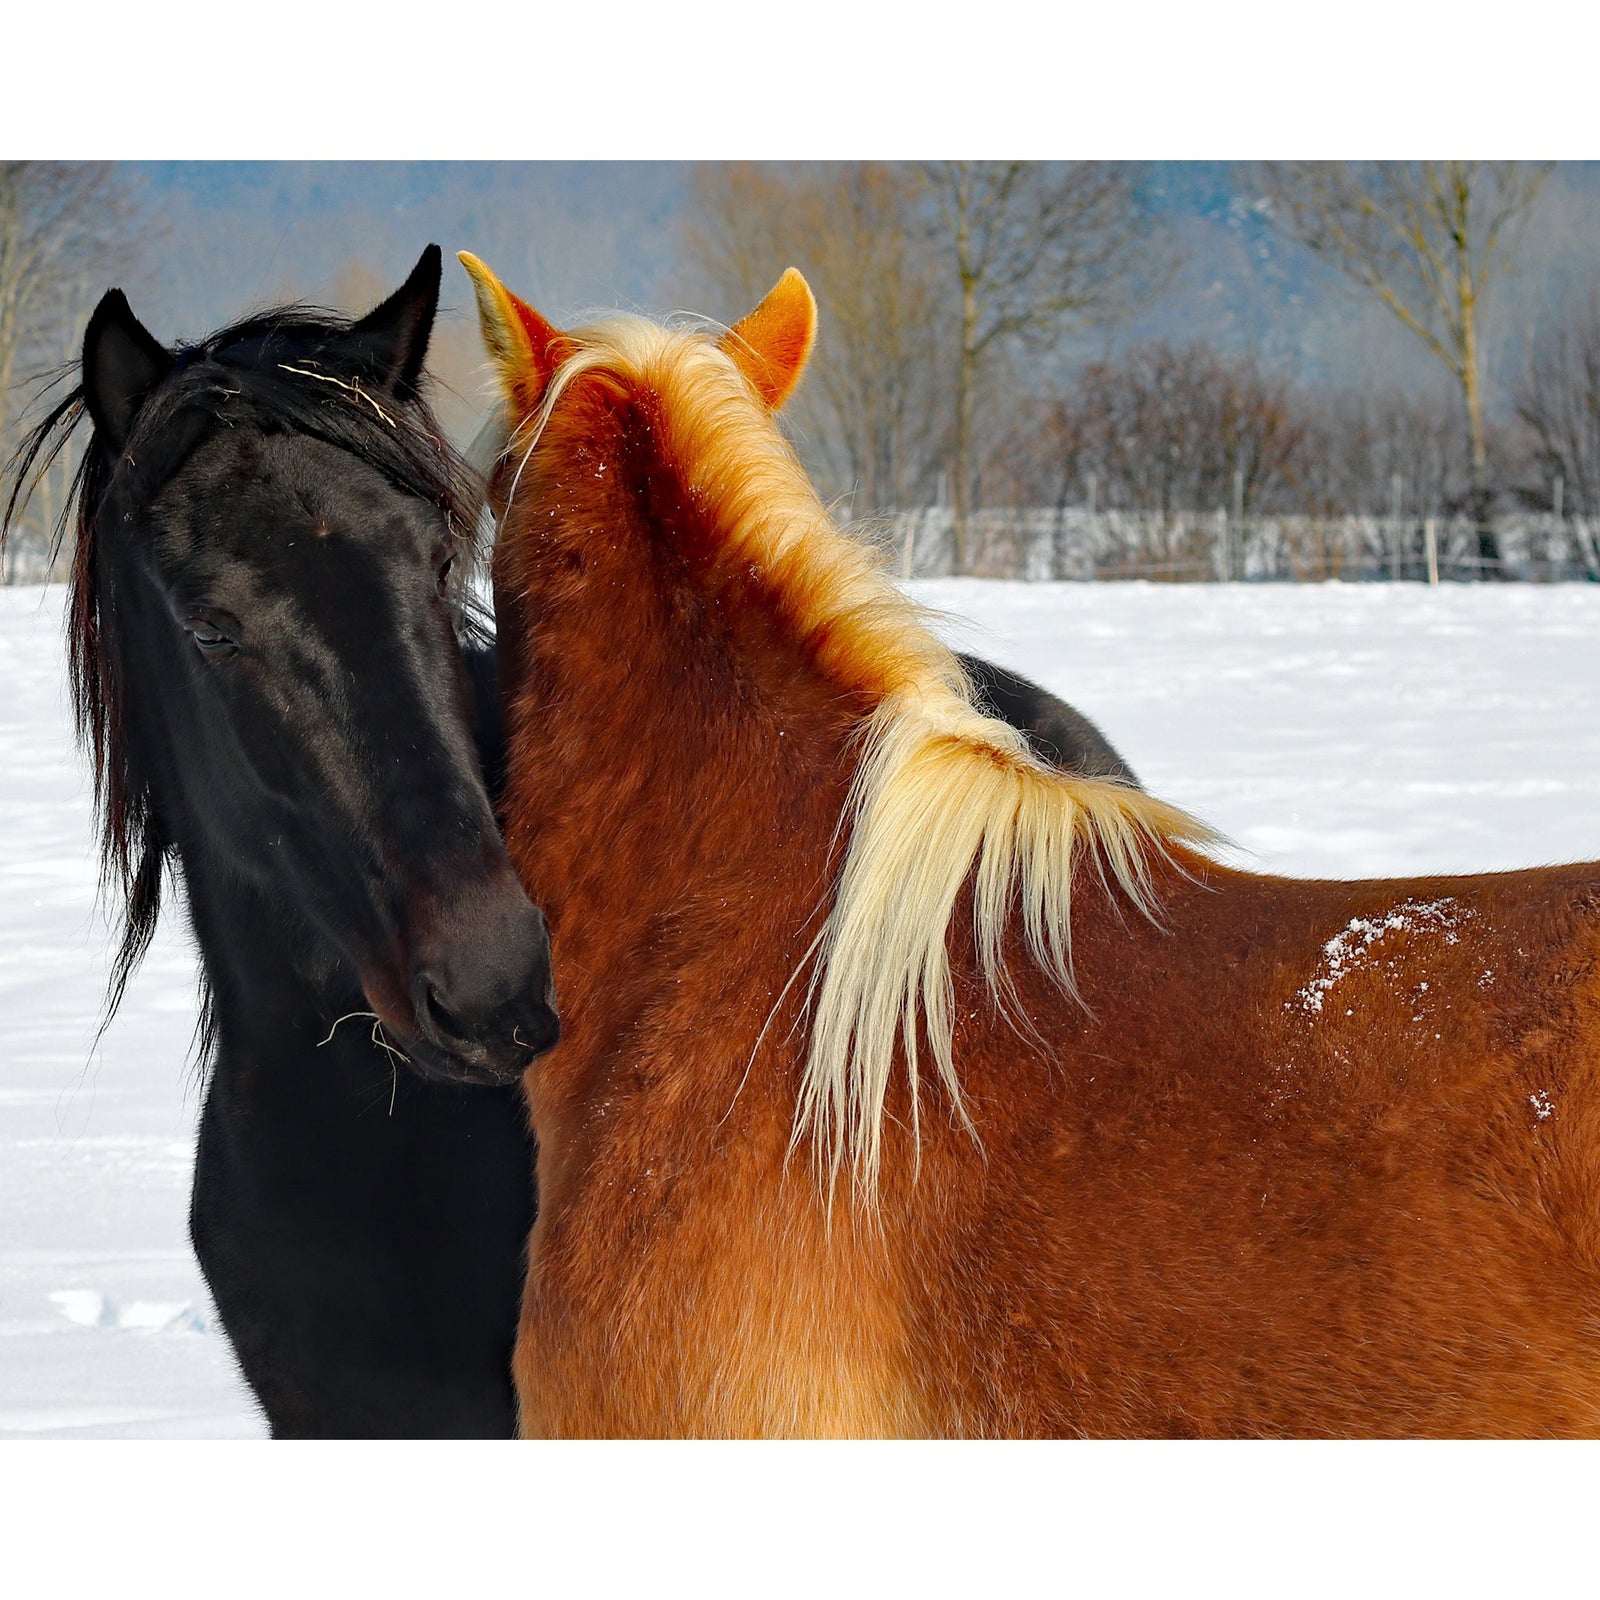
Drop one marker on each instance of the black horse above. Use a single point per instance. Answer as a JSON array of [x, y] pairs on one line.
[[1056, 732], [283, 693], [265, 632]]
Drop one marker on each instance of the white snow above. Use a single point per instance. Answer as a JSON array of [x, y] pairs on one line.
[[105, 1325], [1345, 949], [1327, 730]]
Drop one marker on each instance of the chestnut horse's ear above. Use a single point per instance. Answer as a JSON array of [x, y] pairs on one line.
[[771, 345], [391, 341], [525, 347], [122, 363]]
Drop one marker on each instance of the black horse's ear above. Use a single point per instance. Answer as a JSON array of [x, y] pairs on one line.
[[122, 363], [392, 339]]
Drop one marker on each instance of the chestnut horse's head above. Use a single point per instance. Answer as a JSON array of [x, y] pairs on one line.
[[770, 347]]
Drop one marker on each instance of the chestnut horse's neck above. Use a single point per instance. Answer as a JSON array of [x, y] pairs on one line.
[[677, 768], [720, 702]]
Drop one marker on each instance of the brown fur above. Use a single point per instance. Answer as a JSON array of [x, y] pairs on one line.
[[1309, 1158]]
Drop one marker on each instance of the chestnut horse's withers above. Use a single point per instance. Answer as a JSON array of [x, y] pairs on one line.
[[1251, 1156]]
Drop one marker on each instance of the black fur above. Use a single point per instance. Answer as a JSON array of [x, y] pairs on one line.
[[1057, 732], [268, 671]]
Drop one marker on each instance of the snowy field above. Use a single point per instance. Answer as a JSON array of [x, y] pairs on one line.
[[1328, 731]]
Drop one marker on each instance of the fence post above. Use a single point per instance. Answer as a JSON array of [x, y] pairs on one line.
[[1091, 525], [1430, 539], [1236, 531], [1583, 538], [1398, 558], [1558, 491]]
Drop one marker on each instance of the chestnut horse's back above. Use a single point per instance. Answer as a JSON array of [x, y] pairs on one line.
[[1318, 1158]]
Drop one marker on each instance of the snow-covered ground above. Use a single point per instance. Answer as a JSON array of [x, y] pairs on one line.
[[1332, 730], [1329, 730], [105, 1328]]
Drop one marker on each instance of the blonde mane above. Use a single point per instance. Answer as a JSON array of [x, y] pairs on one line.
[[940, 789]]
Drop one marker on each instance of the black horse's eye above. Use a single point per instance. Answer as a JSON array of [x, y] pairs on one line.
[[444, 574], [209, 639]]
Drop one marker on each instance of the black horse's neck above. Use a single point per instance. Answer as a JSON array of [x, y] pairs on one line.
[[362, 1230]]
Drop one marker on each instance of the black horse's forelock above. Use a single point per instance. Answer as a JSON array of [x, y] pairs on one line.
[[288, 370]]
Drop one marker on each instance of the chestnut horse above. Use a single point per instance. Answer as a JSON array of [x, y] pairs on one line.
[[1201, 1152]]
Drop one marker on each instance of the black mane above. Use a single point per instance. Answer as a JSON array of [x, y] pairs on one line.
[[286, 370]]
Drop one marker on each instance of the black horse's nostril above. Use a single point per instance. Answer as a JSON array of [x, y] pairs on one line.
[[541, 1031], [435, 1017]]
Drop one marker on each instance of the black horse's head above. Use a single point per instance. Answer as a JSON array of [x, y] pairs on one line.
[[272, 542]]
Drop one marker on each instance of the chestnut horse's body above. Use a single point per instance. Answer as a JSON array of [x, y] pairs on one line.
[[1298, 1158]]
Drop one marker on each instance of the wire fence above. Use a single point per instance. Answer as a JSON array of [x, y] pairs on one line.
[[1202, 547], [1176, 547]]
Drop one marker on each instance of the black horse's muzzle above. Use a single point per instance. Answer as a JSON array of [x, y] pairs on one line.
[[479, 1003]]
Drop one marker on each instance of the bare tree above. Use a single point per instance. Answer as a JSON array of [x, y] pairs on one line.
[[1173, 431], [1167, 428], [870, 414], [1428, 239], [1558, 402], [1029, 248], [934, 282], [55, 218], [58, 223]]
